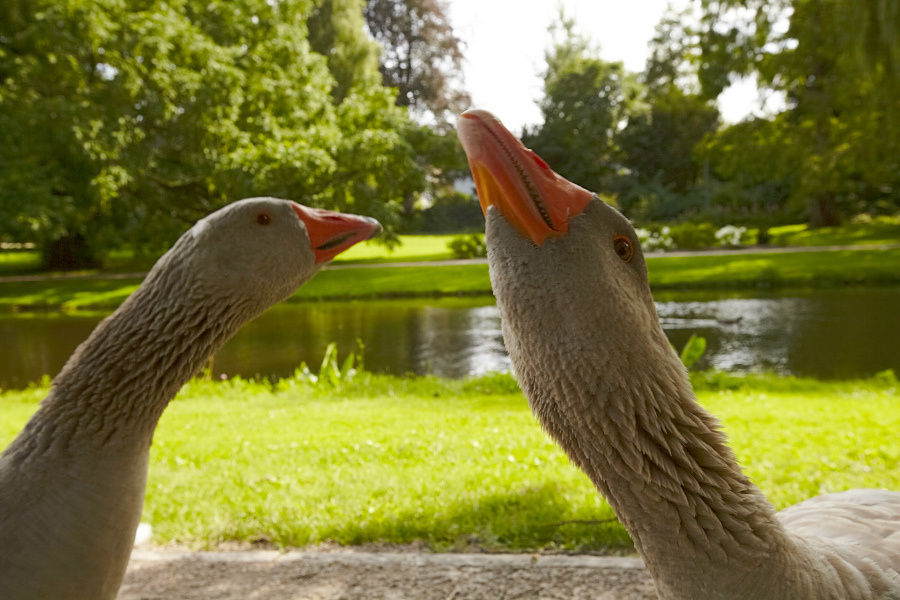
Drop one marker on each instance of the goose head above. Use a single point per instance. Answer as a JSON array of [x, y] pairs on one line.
[[567, 271], [265, 248]]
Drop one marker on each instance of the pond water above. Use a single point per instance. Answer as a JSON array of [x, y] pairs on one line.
[[828, 334]]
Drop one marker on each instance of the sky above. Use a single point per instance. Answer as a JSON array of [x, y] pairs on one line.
[[506, 40]]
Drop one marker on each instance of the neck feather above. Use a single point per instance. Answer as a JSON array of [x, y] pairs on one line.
[[115, 386], [662, 462]]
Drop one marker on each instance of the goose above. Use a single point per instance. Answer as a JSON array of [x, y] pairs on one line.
[[587, 348], [72, 482]]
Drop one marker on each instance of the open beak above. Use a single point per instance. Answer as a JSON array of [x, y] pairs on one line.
[[330, 233], [528, 193]]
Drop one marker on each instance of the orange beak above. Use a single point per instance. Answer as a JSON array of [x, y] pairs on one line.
[[330, 233], [528, 193]]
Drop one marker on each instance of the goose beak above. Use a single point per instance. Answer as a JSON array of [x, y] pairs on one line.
[[529, 194], [330, 233]]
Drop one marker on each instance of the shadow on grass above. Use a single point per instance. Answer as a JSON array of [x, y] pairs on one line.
[[536, 518]]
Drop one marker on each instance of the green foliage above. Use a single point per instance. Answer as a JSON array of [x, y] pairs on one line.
[[693, 236], [452, 212], [334, 32], [468, 246], [657, 144], [125, 122], [836, 147], [585, 100], [693, 350], [421, 57]]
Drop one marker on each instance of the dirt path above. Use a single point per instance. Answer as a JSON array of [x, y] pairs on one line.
[[162, 574]]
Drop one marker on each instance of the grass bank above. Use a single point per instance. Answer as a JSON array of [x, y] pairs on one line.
[[695, 272], [880, 230], [460, 464]]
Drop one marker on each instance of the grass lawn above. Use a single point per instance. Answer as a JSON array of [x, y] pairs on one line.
[[770, 270], [738, 271], [459, 464], [14, 262], [411, 248], [884, 230]]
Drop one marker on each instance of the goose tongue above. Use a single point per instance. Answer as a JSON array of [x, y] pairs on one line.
[[330, 233], [529, 194]]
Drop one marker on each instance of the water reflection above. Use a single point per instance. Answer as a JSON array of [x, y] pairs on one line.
[[835, 333]]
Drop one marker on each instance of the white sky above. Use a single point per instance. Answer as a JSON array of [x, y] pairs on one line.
[[506, 40]]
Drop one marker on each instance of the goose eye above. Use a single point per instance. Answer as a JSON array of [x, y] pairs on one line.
[[623, 247], [263, 219]]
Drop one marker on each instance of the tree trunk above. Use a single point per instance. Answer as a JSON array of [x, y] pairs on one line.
[[823, 211], [70, 252]]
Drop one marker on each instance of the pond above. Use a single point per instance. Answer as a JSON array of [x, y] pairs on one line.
[[826, 334]]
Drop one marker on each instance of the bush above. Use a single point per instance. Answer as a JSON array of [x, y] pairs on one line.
[[655, 238], [451, 212], [468, 246], [731, 235], [693, 236]]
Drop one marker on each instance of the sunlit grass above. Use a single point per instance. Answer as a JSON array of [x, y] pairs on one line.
[[410, 248], [697, 272], [13, 262], [883, 230], [459, 464]]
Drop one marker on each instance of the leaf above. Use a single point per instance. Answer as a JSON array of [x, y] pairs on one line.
[[693, 349], [347, 366]]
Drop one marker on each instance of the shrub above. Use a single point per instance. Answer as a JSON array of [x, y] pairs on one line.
[[693, 236], [731, 235], [468, 246], [655, 239], [451, 212]]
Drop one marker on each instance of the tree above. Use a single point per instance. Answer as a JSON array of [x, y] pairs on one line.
[[127, 121], [662, 130], [658, 144], [585, 101], [837, 63], [421, 57], [335, 31]]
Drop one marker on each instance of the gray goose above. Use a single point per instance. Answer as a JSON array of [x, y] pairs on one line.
[[582, 331], [72, 482]]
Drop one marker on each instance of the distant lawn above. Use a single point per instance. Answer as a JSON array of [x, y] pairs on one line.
[[411, 248], [14, 262], [884, 230], [772, 270], [459, 464], [697, 272]]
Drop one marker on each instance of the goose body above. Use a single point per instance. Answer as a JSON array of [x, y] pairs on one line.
[[582, 331], [72, 482]]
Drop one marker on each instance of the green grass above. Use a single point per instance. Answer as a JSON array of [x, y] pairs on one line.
[[15, 262], [459, 464], [770, 270], [411, 248], [882, 230], [390, 282], [698, 272]]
